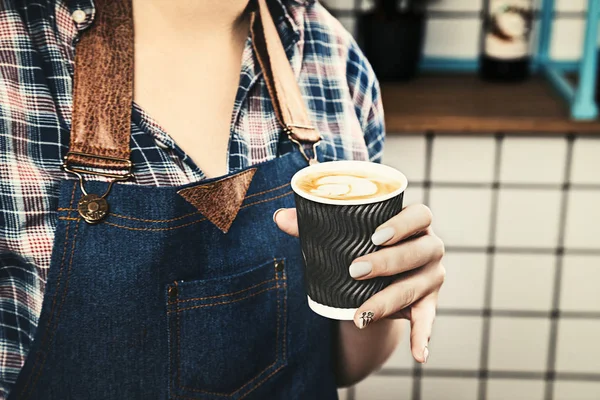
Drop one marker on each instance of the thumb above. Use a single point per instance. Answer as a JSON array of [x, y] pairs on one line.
[[286, 220]]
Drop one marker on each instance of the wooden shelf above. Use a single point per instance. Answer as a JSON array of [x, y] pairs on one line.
[[454, 103]]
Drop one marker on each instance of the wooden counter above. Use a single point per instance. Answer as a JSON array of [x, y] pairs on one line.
[[465, 104]]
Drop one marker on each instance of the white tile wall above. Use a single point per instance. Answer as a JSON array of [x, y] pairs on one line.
[[384, 388], [455, 5], [583, 219], [519, 344], [513, 277], [465, 281], [586, 162], [571, 5], [462, 215], [455, 343], [453, 38], [567, 39], [448, 388], [579, 283], [528, 218], [578, 349], [459, 37], [402, 357], [503, 389], [413, 195], [463, 159], [407, 154], [565, 390], [533, 160]]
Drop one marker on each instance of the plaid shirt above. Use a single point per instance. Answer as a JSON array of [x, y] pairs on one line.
[[37, 47]]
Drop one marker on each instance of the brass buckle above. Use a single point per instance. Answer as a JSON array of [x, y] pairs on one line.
[[91, 207], [288, 129]]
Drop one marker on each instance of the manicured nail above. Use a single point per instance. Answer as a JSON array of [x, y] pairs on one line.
[[382, 235], [425, 354], [360, 269], [365, 319], [275, 214]]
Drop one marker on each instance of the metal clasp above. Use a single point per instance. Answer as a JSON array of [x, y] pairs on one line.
[[288, 129], [91, 207]]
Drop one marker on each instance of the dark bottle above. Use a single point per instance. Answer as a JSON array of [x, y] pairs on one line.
[[391, 36], [506, 50]]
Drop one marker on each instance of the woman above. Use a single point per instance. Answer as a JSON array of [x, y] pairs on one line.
[[172, 284]]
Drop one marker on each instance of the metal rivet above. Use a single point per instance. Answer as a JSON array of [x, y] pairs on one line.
[[279, 265], [79, 16]]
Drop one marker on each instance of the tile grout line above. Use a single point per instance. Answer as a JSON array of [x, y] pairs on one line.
[[506, 185], [503, 374], [429, 143], [469, 312], [555, 315], [489, 282]]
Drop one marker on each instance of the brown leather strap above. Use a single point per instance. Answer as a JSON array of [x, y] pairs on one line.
[[281, 82], [103, 89]]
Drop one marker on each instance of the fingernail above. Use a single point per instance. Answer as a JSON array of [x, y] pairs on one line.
[[360, 269], [365, 319], [383, 235], [275, 214], [425, 354]]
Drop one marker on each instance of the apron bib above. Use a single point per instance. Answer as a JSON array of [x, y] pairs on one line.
[[176, 293]]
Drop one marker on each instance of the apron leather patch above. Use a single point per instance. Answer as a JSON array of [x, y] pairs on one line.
[[220, 201]]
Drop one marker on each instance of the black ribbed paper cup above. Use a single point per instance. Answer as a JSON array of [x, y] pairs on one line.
[[333, 233]]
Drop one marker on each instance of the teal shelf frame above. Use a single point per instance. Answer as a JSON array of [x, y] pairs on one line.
[[580, 97]]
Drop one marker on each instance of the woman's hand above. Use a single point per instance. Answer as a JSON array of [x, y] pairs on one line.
[[409, 248]]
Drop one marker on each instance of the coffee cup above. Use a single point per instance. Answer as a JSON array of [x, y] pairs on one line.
[[339, 206]]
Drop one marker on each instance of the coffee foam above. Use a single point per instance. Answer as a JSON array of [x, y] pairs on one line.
[[346, 186]]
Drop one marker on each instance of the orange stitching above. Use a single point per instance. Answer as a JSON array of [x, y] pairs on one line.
[[267, 191], [68, 218], [224, 295], [178, 340], [252, 170], [225, 302], [284, 316], [59, 311], [231, 394], [155, 229], [250, 381], [263, 381], [178, 218], [62, 264], [155, 220], [261, 372], [72, 198], [194, 222], [267, 200]]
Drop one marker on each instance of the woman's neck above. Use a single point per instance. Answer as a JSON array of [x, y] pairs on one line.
[[190, 19]]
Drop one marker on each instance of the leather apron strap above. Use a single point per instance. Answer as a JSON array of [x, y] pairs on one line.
[[103, 90]]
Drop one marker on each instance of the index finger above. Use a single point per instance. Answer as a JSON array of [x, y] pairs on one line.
[[412, 220]]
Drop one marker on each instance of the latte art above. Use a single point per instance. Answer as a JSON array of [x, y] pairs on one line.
[[346, 186]]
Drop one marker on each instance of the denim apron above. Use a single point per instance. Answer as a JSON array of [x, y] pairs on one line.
[[164, 298]]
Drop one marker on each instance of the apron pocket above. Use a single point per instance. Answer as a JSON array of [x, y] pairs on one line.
[[227, 336]]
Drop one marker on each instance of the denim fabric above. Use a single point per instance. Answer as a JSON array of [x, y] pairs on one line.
[[155, 302]]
